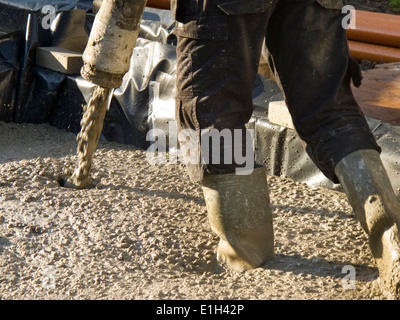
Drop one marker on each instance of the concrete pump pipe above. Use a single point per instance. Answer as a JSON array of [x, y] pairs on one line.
[[107, 56]]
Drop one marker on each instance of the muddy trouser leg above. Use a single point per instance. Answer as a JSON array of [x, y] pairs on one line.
[[308, 51], [215, 83]]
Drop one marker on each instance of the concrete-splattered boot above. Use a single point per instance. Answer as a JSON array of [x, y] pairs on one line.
[[374, 202], [239, 213]]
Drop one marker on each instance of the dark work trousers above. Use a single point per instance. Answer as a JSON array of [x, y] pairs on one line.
[[218, 52]]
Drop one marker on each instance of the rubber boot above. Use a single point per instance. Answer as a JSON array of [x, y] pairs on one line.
[[368, 188], [239, 213]]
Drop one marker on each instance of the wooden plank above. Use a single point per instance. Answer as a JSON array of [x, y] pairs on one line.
[[278, 113], [264, 69], [379, 93], [378, 97], [58, 59]]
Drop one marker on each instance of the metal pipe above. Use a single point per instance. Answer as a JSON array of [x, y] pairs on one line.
[[376, 28], [373, 52], [159, 4]]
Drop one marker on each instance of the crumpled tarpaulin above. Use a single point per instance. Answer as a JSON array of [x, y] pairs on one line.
[[38, 95], [282, 152], [146, 98], [31, 89]]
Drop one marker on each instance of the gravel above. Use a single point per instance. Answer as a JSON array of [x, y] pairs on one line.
[[141, 231]]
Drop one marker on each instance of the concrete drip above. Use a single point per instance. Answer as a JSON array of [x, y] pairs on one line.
[[88, 138]]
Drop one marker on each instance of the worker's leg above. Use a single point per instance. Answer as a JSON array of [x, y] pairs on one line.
[[308, 50], [217, 59], [309, 53], [217, 66]]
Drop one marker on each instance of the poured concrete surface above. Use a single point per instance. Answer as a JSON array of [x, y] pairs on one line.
[[379, 94], [142, 232]]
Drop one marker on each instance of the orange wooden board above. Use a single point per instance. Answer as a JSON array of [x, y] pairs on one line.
[[379, 93]]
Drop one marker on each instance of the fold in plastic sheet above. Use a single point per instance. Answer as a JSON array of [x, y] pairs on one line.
[[388, 137], [37, 95], [283, 153], [10, 47], [24, 96], [146, 98]]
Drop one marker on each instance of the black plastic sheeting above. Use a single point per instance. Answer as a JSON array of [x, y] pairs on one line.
[[145, 100], [283, 153], [31, 90], [33, 94]]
